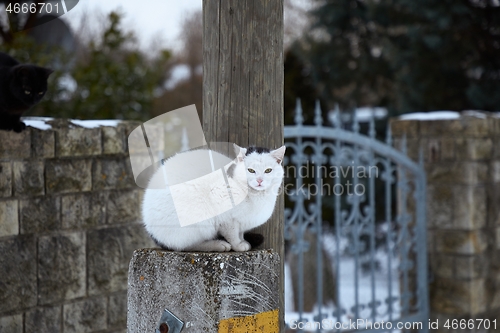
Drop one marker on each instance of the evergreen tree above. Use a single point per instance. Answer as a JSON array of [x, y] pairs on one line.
[[298, 84], [111, 76], [407, 55], [114, 79]]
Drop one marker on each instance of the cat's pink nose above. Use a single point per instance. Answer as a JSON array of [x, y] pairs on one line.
[[259, 181]]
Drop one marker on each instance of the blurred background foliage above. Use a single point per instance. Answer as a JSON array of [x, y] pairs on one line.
[[106, 77], [403, 55], [113, 78], [103, 75]]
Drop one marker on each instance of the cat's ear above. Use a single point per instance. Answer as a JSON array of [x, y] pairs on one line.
[[240, 152], [279, 154], [47, 72], [21, 71]]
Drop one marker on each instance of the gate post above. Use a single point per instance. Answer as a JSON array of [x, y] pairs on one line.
[[462, 161]]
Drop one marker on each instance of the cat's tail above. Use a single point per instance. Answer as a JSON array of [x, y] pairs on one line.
[[254, 239]]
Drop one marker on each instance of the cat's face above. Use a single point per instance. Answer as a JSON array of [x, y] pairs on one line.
[[263, 168], [29, 83]]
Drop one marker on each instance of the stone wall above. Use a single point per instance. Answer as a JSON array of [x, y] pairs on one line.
[[69, 223], [462, 161]]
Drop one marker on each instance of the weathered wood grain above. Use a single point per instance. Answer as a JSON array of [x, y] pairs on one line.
[[243, 84]]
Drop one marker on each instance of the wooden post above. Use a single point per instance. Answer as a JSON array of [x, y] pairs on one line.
[[243, 86]]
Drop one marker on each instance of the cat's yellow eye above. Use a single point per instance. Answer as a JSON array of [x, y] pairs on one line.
[[268, 170], [251, 170], [40, 93], [27, 92]]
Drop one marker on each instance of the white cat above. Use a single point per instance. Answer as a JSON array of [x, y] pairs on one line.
[[253, 178]]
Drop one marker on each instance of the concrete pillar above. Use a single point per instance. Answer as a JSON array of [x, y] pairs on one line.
[[462, 161], [209, 292]]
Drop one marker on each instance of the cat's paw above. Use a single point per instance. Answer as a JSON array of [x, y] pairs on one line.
[[242, 247], [221, 246], [19, 127]]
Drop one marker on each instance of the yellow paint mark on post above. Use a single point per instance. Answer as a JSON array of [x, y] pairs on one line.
[[267, 322]]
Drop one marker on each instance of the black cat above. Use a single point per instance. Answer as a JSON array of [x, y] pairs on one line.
[[21, 87]]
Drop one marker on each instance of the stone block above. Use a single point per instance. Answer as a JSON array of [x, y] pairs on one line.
[[412, 147], [18, 284], [113, 141], [43, 143], [9, 221], [467, 173], [40, 214], [460, 242], [495, 299], [495, 171], [493, 198], [83, 210], [44, 319], [137, 142], [494, 292], [442, 265], [112, 173], [496, 147], [61, 267], [402, 127], [127, 127], [460, 298], [12, 324], [109, 253], [473, 149], [494, 121], [28, 178], [476, 126], [155, 136], [495, 264], [78, 141], [5, 179], [440, 206], [123, 206], [117, 310], [19, 144], [202, 289], [447, 149], [466, 125], [471, 267], [440, 128], [497, 238], [85, 316], [469, 204], [433, 149], [63, 176]]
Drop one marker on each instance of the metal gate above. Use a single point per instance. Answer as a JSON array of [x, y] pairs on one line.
[[355, 230]]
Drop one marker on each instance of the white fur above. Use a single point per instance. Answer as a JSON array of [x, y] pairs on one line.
[[160, 216]]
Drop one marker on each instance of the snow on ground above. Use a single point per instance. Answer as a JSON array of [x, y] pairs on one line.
[[347, 283]]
